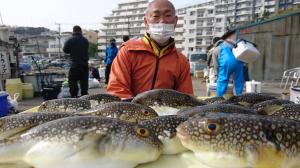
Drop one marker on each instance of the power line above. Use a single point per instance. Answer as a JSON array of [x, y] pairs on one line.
[[70, 24]]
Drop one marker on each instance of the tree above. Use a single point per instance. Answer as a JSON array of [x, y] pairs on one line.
[[92, 50]]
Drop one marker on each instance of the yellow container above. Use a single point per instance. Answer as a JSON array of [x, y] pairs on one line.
[[14, 86], [27, 90]]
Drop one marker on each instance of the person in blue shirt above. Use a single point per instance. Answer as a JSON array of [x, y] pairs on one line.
[[228, 65], [110, 54]]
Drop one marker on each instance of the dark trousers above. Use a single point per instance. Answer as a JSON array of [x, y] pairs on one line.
[[79, 73], [107, 72], [246, 74]]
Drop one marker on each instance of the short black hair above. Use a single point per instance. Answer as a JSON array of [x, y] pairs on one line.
[[216, 39], [125, 38], [112, 40], [227, 34], [77, 29]]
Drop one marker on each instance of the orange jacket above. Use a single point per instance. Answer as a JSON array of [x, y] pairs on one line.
[[141, 66]]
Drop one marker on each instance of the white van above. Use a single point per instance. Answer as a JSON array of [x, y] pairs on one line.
[[198, 61]]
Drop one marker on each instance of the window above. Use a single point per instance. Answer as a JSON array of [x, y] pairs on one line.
[[192, 21], [192, 13], [199, 41], [218, 20], [218, 29], [210, 11], [191, 49], [200, 23], [199, 32], [200, 14], [191, 40], [192, 31]]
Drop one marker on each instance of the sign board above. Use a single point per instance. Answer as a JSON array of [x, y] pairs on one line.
[[4, 65]]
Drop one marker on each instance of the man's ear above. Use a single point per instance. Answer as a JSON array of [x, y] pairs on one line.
[[176, 18], [146, 23]]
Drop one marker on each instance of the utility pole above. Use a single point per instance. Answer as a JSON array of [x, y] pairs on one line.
[[1, 18], [128, 22], [59, 40]]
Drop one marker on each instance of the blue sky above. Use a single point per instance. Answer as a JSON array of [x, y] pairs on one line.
[[46, 13]]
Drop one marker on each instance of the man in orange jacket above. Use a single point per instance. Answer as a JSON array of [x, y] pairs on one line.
[[153, 61]]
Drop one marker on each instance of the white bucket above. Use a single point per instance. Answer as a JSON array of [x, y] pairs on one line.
[[245, 51], [253, 87], [295, 94]]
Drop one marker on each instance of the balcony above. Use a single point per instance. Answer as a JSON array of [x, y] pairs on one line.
[[270, 3], [199, 43], [209, 33], [243, 6], [244, 13], [209, 24], [240, 1]]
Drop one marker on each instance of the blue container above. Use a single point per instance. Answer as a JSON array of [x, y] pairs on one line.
[[3, 105]]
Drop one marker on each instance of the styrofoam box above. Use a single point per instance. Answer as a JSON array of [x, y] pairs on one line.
[[253, 87], [295, 94], [245, 52]]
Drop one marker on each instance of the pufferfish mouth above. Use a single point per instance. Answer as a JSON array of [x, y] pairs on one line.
[[182, 134]]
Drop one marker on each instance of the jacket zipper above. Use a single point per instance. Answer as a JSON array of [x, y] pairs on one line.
[[155, 72]]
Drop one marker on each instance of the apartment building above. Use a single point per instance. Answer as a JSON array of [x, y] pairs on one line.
[[35, 45], [126, 19], [197, 24], [239, 12], [284, 4], [55, 48], [201, 25], [181, 27]]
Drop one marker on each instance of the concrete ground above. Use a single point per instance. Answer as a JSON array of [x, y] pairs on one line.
[[199, 86]]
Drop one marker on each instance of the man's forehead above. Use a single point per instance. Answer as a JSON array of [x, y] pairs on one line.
[[160, 10], [160, 6]]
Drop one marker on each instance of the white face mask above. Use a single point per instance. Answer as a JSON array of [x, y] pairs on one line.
[[161, 32]]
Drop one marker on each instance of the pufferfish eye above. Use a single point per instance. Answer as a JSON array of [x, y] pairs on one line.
[[146, 112], [43, 105], [212, 128], [142, 132]]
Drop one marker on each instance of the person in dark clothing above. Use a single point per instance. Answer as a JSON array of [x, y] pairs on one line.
[[94, 72], [110, 54], [77, 46]]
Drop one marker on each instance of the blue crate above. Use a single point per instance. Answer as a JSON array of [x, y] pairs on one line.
[[3, 105]]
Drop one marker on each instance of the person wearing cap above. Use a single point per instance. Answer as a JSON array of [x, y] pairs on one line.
[[228, 65], [77, 46], [110, 54], [153, 61]]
